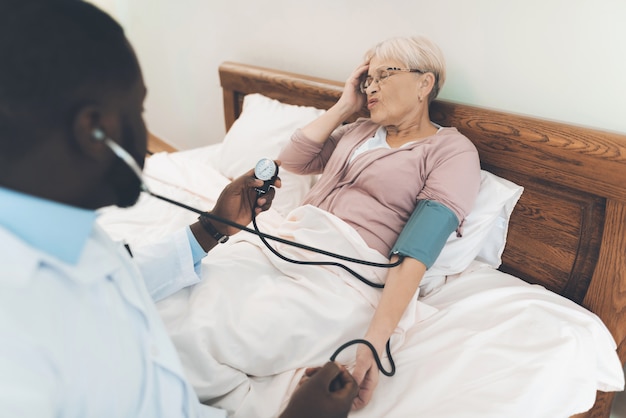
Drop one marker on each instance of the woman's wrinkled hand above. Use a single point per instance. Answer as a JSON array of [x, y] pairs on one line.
[[352, 99], [366, 374]]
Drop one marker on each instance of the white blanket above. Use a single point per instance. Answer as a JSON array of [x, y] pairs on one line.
[[485, 344], [255, 314]]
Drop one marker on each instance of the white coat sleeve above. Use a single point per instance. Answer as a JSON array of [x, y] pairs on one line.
[[168, 265]]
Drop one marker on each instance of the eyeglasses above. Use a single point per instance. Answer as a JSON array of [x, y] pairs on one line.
[[382, 74]]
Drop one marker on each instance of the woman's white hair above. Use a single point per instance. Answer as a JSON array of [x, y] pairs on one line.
[[416, 52]]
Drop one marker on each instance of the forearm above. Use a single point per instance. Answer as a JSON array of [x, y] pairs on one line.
[[400, 288], [320, 129], [351, 101]]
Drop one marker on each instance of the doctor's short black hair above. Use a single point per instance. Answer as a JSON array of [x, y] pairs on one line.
[[55, 56]]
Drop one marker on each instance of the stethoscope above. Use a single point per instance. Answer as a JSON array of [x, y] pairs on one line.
[[266, 170]]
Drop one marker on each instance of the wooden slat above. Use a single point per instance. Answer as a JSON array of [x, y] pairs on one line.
[[584, 159], [607, 293], [156, 144]]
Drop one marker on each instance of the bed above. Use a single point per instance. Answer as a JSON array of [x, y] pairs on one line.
[[532, 323]]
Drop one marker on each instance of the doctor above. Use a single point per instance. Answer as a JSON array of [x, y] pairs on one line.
[[79, 335]]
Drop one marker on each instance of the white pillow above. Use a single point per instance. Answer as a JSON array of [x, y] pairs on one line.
[[484, 230], [263, 128], [493, 245]]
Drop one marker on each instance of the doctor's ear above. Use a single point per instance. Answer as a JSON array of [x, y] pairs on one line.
[[89, 132]]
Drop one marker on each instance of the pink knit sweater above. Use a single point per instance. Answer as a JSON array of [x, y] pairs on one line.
[[378, 191]]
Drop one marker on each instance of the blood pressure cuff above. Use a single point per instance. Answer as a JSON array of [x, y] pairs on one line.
[[426, 232]]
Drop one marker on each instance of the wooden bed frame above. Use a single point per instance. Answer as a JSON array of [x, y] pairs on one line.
[[568, 230]]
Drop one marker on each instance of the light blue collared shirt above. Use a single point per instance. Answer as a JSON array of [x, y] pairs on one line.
[[41, 222], [80, 334]]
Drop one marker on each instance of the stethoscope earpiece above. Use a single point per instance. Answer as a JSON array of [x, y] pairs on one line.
[[98, 134]]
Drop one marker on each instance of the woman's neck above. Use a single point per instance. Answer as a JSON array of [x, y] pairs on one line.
[[398, 136]]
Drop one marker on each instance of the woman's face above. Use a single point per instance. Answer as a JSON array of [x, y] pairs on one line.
[[393, 100]]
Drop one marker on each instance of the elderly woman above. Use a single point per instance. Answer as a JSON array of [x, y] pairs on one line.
[[395, 171]]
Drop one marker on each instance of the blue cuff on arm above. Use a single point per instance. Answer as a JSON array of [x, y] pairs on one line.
[[426, 232], [197, 252]]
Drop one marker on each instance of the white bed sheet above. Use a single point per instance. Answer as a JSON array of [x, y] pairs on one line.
[[483, 344]]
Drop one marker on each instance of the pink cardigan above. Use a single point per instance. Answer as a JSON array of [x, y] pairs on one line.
[[377, 192]]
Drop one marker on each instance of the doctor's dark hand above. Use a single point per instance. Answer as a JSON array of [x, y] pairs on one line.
[[237, 202], [240, 198], [326, 391]]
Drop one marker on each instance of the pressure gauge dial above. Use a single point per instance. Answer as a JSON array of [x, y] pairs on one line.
[[266, 170]]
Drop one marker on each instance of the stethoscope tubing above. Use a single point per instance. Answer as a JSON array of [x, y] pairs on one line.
[[275, 238], [264, 237]]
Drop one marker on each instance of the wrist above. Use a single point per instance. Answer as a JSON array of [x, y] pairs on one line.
[[204, 240], [206, 234], [378, 340], [342, 110], [211, 230]]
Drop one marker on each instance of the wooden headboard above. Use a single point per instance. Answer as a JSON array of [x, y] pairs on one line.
[[568, 230]]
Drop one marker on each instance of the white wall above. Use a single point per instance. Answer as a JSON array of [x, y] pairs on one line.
[[558, 59]]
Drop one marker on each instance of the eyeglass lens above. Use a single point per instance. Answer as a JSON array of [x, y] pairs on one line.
[[380, 75]]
